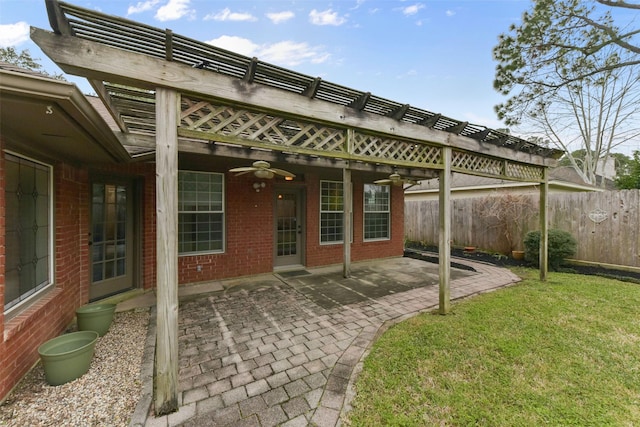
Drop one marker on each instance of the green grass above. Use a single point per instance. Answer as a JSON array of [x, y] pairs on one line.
[[561, 353]]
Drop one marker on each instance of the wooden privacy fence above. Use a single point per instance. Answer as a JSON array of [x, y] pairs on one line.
[[605, 224]]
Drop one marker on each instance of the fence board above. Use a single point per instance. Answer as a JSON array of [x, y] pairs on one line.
[[614, 240]]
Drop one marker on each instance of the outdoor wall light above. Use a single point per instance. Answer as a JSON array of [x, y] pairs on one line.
[[258, 185]]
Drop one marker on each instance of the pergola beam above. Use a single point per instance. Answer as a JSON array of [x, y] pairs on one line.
[[166, 372], [444, 245], [98, 61]]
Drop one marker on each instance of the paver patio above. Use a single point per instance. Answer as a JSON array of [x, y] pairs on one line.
[[284, 349]]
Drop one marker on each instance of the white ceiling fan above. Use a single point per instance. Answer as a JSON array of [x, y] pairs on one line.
[[262, 170], [397, 180]]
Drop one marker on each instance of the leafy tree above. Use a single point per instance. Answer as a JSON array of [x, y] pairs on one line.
[[631, 178], [563, 88], [23, 59], [556, 31], [623, 163]]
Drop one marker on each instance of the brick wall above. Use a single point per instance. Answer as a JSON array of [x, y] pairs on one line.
[[318, 254], [249, 235], [6, 381], [54, 310]]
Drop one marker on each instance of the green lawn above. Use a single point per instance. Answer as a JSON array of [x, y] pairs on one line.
[[565, 352]]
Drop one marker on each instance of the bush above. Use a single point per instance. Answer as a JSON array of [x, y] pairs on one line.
[[561, 245]]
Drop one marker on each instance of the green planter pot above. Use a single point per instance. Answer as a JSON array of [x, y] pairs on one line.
[[68, 356], [95, 317]]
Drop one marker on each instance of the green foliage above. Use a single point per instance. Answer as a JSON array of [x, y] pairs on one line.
[[561, 245], [630, 178], [23, 59], [570, 79]]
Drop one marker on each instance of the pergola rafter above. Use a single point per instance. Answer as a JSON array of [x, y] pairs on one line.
[[169, 93]]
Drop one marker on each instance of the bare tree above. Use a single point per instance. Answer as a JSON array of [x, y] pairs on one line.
[[572, 79], [508, 214]]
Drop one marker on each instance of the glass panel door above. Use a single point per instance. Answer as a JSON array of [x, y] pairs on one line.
[[111, 239], [288, 228]]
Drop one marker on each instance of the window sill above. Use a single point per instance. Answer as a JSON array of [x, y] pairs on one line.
[[19, 320]]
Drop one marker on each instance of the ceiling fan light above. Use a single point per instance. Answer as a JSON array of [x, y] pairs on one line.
[[263, 174]]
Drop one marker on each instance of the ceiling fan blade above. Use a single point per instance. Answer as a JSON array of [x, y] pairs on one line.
[[383, 181], [243, 169], [282, 172]]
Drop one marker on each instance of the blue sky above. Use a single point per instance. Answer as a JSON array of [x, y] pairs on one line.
[[433, 54]]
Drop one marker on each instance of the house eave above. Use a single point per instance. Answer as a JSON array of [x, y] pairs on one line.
[[58, 116]]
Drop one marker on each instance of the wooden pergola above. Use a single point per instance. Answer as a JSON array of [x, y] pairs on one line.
[[169, 93]]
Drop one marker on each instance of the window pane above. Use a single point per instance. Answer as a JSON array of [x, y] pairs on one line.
[[331, 212], [201, 212], [331, 227], [376, 212], [376, 226], [27, 228]]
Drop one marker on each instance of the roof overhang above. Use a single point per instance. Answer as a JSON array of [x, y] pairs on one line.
[[51, 118]]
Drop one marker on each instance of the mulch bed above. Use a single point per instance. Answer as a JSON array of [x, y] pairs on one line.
[[430, 254]]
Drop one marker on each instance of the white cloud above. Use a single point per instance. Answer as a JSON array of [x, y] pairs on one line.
[[285, 53], [412, 10], [450, 13], [142, 6], [289, 53], [358, 4], [279, 17], [227, 15], [236, 44], [14, 34], [327, 17], [174, 9]]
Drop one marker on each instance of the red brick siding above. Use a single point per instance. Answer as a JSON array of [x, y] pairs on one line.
[[249, 235], [52, 312], [7, 377], [318, 254]]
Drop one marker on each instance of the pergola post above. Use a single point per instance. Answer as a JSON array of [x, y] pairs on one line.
[[544, 225], [348, 202], [166, 367], [444, 246]]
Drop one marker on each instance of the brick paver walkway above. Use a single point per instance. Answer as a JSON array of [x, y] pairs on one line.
[[264, 355]]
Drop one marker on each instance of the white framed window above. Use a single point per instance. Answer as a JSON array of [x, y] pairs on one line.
[[201, 212], [331, 212], [377, 212], [28, 229]]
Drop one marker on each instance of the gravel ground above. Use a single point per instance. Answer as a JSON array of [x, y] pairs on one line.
[[105, 396]]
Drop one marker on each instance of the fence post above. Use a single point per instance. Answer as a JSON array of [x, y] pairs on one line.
[[544, 225]]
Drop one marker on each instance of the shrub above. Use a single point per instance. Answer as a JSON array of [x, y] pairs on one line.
[[561, 245]]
